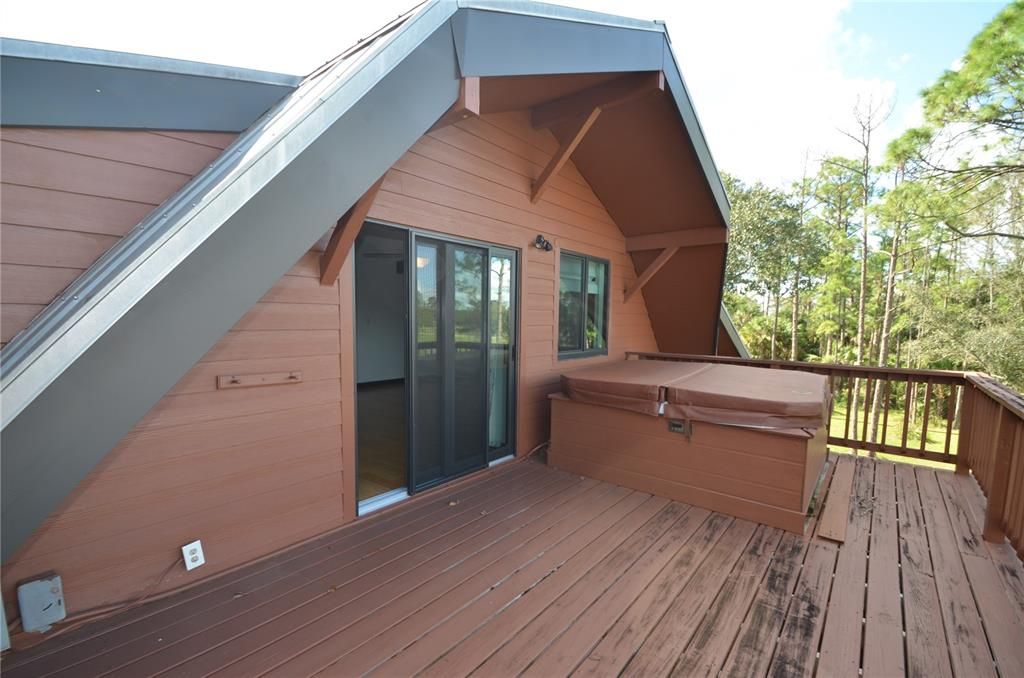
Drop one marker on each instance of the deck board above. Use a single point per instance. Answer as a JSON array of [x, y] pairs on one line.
[[969, 650], [754, 648], [525, 570], [883, 626], [841, 638], [709, 647], [801, 632], [662, 648], [926, 645]]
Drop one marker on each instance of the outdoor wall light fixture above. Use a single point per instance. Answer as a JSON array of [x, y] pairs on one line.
[[542, 243]]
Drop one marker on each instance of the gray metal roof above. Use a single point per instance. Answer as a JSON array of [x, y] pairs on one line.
[[98, 358], [63, 86], [45, 51]]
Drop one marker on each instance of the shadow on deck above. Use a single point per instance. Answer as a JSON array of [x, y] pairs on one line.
[[530, 570]]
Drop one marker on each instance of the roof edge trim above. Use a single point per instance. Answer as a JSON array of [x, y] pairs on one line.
[[684, 102], [734, 335], [548, 11]]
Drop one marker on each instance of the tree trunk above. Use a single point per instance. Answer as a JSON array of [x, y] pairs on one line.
[[775, 318], [796, 312], [862, 301], [883, 342], [842, 324]]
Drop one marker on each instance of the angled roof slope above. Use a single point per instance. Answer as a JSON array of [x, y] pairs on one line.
[[98, 359]]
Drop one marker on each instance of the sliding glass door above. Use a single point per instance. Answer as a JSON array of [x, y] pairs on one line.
[[501, 333], [463, 330]]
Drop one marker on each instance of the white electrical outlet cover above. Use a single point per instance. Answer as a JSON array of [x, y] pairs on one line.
[[41, 602], [193, 554]]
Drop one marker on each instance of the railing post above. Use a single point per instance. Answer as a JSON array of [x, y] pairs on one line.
[[1000, 477], [963, 444]]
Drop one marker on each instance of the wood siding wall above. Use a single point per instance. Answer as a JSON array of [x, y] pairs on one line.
[[246, 470], [67, 195], [473, 179], [725, 345], [249, 471]]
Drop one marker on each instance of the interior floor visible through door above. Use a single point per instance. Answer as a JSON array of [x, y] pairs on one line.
[[381, 426]]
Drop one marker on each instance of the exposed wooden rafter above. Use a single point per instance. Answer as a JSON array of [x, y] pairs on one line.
[[467, 105], [563, 154], [345, 234], [690, 237], [604, 96], [649, 272]]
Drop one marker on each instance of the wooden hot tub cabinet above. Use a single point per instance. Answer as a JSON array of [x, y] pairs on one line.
[[767, 475]]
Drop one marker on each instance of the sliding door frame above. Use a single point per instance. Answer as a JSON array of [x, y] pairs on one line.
[[410, 354], [512, 390]]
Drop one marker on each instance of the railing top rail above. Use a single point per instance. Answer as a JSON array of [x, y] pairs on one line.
[[943, 376], [1004, 395]]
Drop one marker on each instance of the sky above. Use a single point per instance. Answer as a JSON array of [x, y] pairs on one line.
[[773, 82]]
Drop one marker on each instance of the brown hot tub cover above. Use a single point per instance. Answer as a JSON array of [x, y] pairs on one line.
[[714, 393], [636, 385], [750, 396]]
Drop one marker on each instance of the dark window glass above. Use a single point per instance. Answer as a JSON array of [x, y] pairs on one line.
[[597, 306], [500, 322], [582, 305], [429, 401], [570, 303]]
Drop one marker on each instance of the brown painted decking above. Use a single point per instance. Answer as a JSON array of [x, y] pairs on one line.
[[531, 570]]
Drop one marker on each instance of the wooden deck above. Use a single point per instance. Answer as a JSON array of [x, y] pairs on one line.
[[528, 570]]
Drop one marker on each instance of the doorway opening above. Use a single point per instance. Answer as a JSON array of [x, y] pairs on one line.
[[435, 359], [381, 392]]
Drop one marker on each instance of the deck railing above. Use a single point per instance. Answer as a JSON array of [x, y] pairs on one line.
[[969, 420]]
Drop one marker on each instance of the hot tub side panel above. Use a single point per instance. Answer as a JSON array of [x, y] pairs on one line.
[[817, 451], [758, 476]]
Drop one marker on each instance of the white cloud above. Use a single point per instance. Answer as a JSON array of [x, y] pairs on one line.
[[766, 77], [291, 37], [899, 62]]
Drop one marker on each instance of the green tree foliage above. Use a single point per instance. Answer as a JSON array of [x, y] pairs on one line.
[[973, 134], [945, 267]]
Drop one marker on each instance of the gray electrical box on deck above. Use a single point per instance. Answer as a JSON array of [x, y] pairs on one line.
[[41, 602]]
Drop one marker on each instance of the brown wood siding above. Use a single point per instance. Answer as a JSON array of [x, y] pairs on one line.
[[246, 470], [251, 470], [725, 345], [67, 195], [473, 180]]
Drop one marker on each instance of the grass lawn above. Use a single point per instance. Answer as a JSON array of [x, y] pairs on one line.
[[936, 436]]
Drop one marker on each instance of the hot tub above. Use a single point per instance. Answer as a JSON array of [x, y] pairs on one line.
[[745, 441]]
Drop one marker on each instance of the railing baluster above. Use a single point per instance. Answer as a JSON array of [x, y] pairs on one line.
[[963, 443], [924, 418], [907, 398], [950, 411], [832, 397], [849, 406], [867, 413], [885, 413]]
